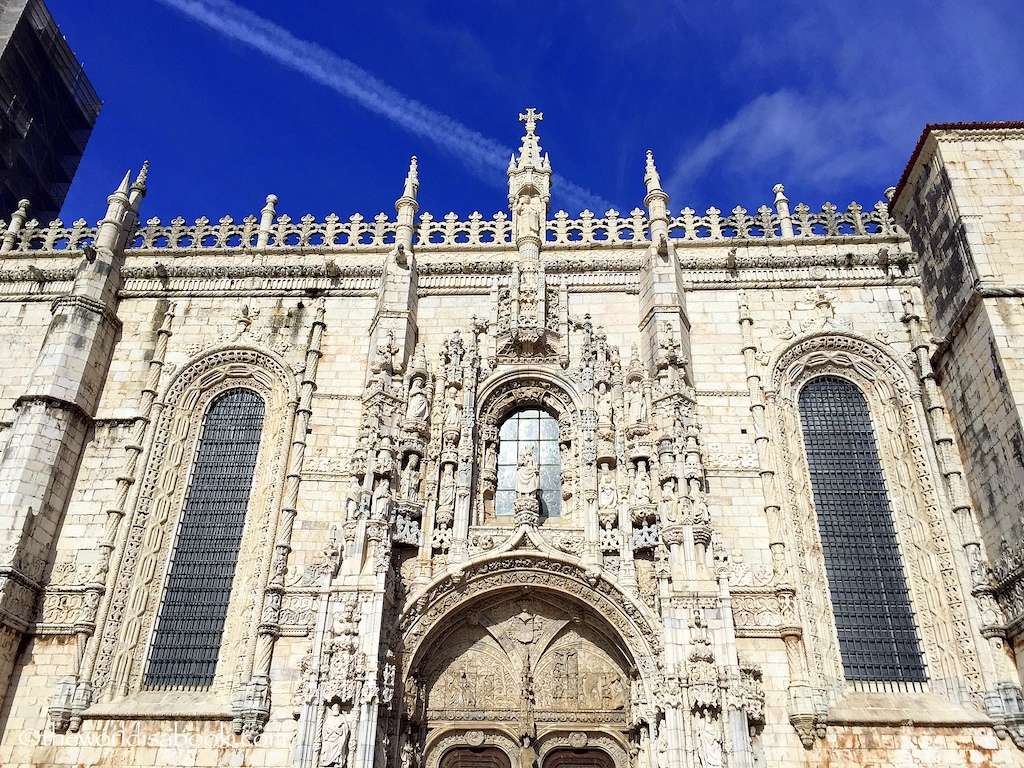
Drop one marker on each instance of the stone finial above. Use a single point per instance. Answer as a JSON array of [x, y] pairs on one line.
[[140, 180], [266, 221], [651, 176], [782, 208], [890, 193], [138, 189], [412, 181]]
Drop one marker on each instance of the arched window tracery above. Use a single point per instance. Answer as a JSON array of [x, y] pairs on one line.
[[536, 429], [190, 623], [877, 634]]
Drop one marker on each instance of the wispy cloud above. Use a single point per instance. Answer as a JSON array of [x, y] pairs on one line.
[[484, 157], [835, 94], [819, 142]]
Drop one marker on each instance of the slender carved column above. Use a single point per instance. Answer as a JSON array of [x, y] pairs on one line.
[[802, 709], [1003, 702], [74, 692], [251, 708]]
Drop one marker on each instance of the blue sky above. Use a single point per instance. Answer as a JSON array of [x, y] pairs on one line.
[[732, 97]]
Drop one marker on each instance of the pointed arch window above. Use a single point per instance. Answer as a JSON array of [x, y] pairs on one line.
[[539, 430], [877, 634], [186, 642]]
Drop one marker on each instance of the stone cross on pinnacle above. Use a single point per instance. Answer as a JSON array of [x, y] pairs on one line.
[[530, 118]]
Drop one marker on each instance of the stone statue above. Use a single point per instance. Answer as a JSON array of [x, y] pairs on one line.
[[642, 485], [408, 755], [337, 734], [709, 746], [527, 754], [604, 404], [491, 458], [381, 495], [662, 746], [667, 504], [411, 479], [528, 474], [607, 494], [418, 407], [636, 405], [352, 498], [643, 752], [452, 413], [446, 496]]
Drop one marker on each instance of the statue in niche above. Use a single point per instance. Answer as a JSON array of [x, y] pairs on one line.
[[642, 485], [643, 751], [352, 498], [337, 735], [491, 458], [381, 497], [528, 216], [418, 406], [636, 405], [709, 745], [661, 745], [452, 413], [607, 494], [701, 513], [527, 474], [604, 404], [527, 754], [446, 496], [411, 479], [408, 755], [667, 504]]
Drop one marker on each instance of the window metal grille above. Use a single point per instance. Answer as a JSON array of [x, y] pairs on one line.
[[877, 635], [186, 642], [538, 429]]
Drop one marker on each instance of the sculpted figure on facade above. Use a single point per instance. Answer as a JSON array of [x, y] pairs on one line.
[[607, 493], [411, 478], [453, 411], [337, 738], [636, 404], [604, 404], [527, 474], [418, 406], [642, 485], [446, 495]]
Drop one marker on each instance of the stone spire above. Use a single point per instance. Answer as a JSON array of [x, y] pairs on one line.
[[530, 174], [657, 206], [406, 206]]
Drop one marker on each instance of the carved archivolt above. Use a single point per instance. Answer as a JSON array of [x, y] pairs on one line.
[[144, 558], [632, 627], [444, 741], [922, 528], [578, 740]]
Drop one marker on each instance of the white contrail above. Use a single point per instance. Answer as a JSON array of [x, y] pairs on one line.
[[485, 157]]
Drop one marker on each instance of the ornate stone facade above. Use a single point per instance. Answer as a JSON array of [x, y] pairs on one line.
[[405, 594]]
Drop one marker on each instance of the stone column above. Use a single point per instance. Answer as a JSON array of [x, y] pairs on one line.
[[54, 415]]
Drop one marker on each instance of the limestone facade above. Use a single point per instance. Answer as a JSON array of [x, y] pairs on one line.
[[402, 596]]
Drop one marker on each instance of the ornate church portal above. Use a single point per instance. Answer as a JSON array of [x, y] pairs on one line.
[[526, 663]]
